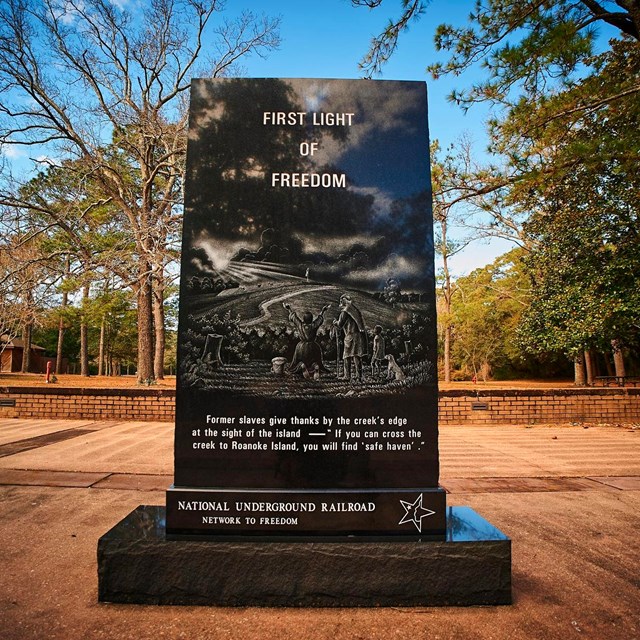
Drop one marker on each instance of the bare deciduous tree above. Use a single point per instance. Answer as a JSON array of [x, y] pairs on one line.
[[88, 81], [25, 279]]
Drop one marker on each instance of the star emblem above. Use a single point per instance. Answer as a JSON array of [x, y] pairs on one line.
[[414, 512]]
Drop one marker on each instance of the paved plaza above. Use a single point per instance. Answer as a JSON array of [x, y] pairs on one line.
[[567, 495]]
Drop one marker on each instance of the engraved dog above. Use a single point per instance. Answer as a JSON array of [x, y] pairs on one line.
[[393, 369]]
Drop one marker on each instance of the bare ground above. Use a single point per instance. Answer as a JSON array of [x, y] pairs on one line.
[[118, 382]]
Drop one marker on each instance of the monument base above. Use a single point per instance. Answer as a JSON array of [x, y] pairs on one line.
[[471, 565]]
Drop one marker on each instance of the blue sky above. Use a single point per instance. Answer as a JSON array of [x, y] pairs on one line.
[[327, 40]]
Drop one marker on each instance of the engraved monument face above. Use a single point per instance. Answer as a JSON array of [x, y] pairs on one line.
[[307, 387]]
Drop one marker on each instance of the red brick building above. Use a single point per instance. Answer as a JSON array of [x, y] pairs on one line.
[[11, 350]]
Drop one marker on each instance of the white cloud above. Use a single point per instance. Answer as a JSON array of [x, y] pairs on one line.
[[334, 244], [385, 110], [12, 151], [395, 266], [67, 12], [382, 199], [48, 160], [220, 252], [202, 266]]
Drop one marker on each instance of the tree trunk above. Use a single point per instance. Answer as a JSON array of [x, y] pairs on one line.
[[447, 353], [27, 334], [618, 358], [448, 329], [61, 327], [60, 339], [26, 350], [84, 334], [158, 320], [145, 327], [588, 363], [101, 347], [579, 372], [608, 361]]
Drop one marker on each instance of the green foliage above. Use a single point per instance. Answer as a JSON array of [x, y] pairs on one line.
[[47, 337], [114, 308], [566, 128], [27, 280], [486, 309], [585, 267], [383, 46], [584, 226], [525, 46]]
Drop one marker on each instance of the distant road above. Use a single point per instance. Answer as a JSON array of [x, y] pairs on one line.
[[265, 314]]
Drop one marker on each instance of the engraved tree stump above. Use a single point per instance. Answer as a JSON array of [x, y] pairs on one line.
[[211, 350]]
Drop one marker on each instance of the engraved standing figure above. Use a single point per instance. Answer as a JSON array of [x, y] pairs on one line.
[[377, 358], [355, 337]]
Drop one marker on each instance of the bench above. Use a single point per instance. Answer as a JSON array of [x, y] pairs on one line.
[[620, 381]]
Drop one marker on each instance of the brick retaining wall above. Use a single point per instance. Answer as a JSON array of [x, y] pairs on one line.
[[536, 406], [521, 406], [88, 404]]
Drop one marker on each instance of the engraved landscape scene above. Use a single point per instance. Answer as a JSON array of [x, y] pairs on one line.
[[305, 270], [242, 338]]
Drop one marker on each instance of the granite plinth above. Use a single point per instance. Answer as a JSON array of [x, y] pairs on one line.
[[470, 565]]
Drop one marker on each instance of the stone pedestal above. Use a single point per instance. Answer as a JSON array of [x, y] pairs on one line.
[[470, 565]]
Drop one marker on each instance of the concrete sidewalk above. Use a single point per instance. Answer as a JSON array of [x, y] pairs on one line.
[[568, 496]]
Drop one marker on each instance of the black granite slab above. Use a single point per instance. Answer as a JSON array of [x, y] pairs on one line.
[[469, 565], [307, 344]]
